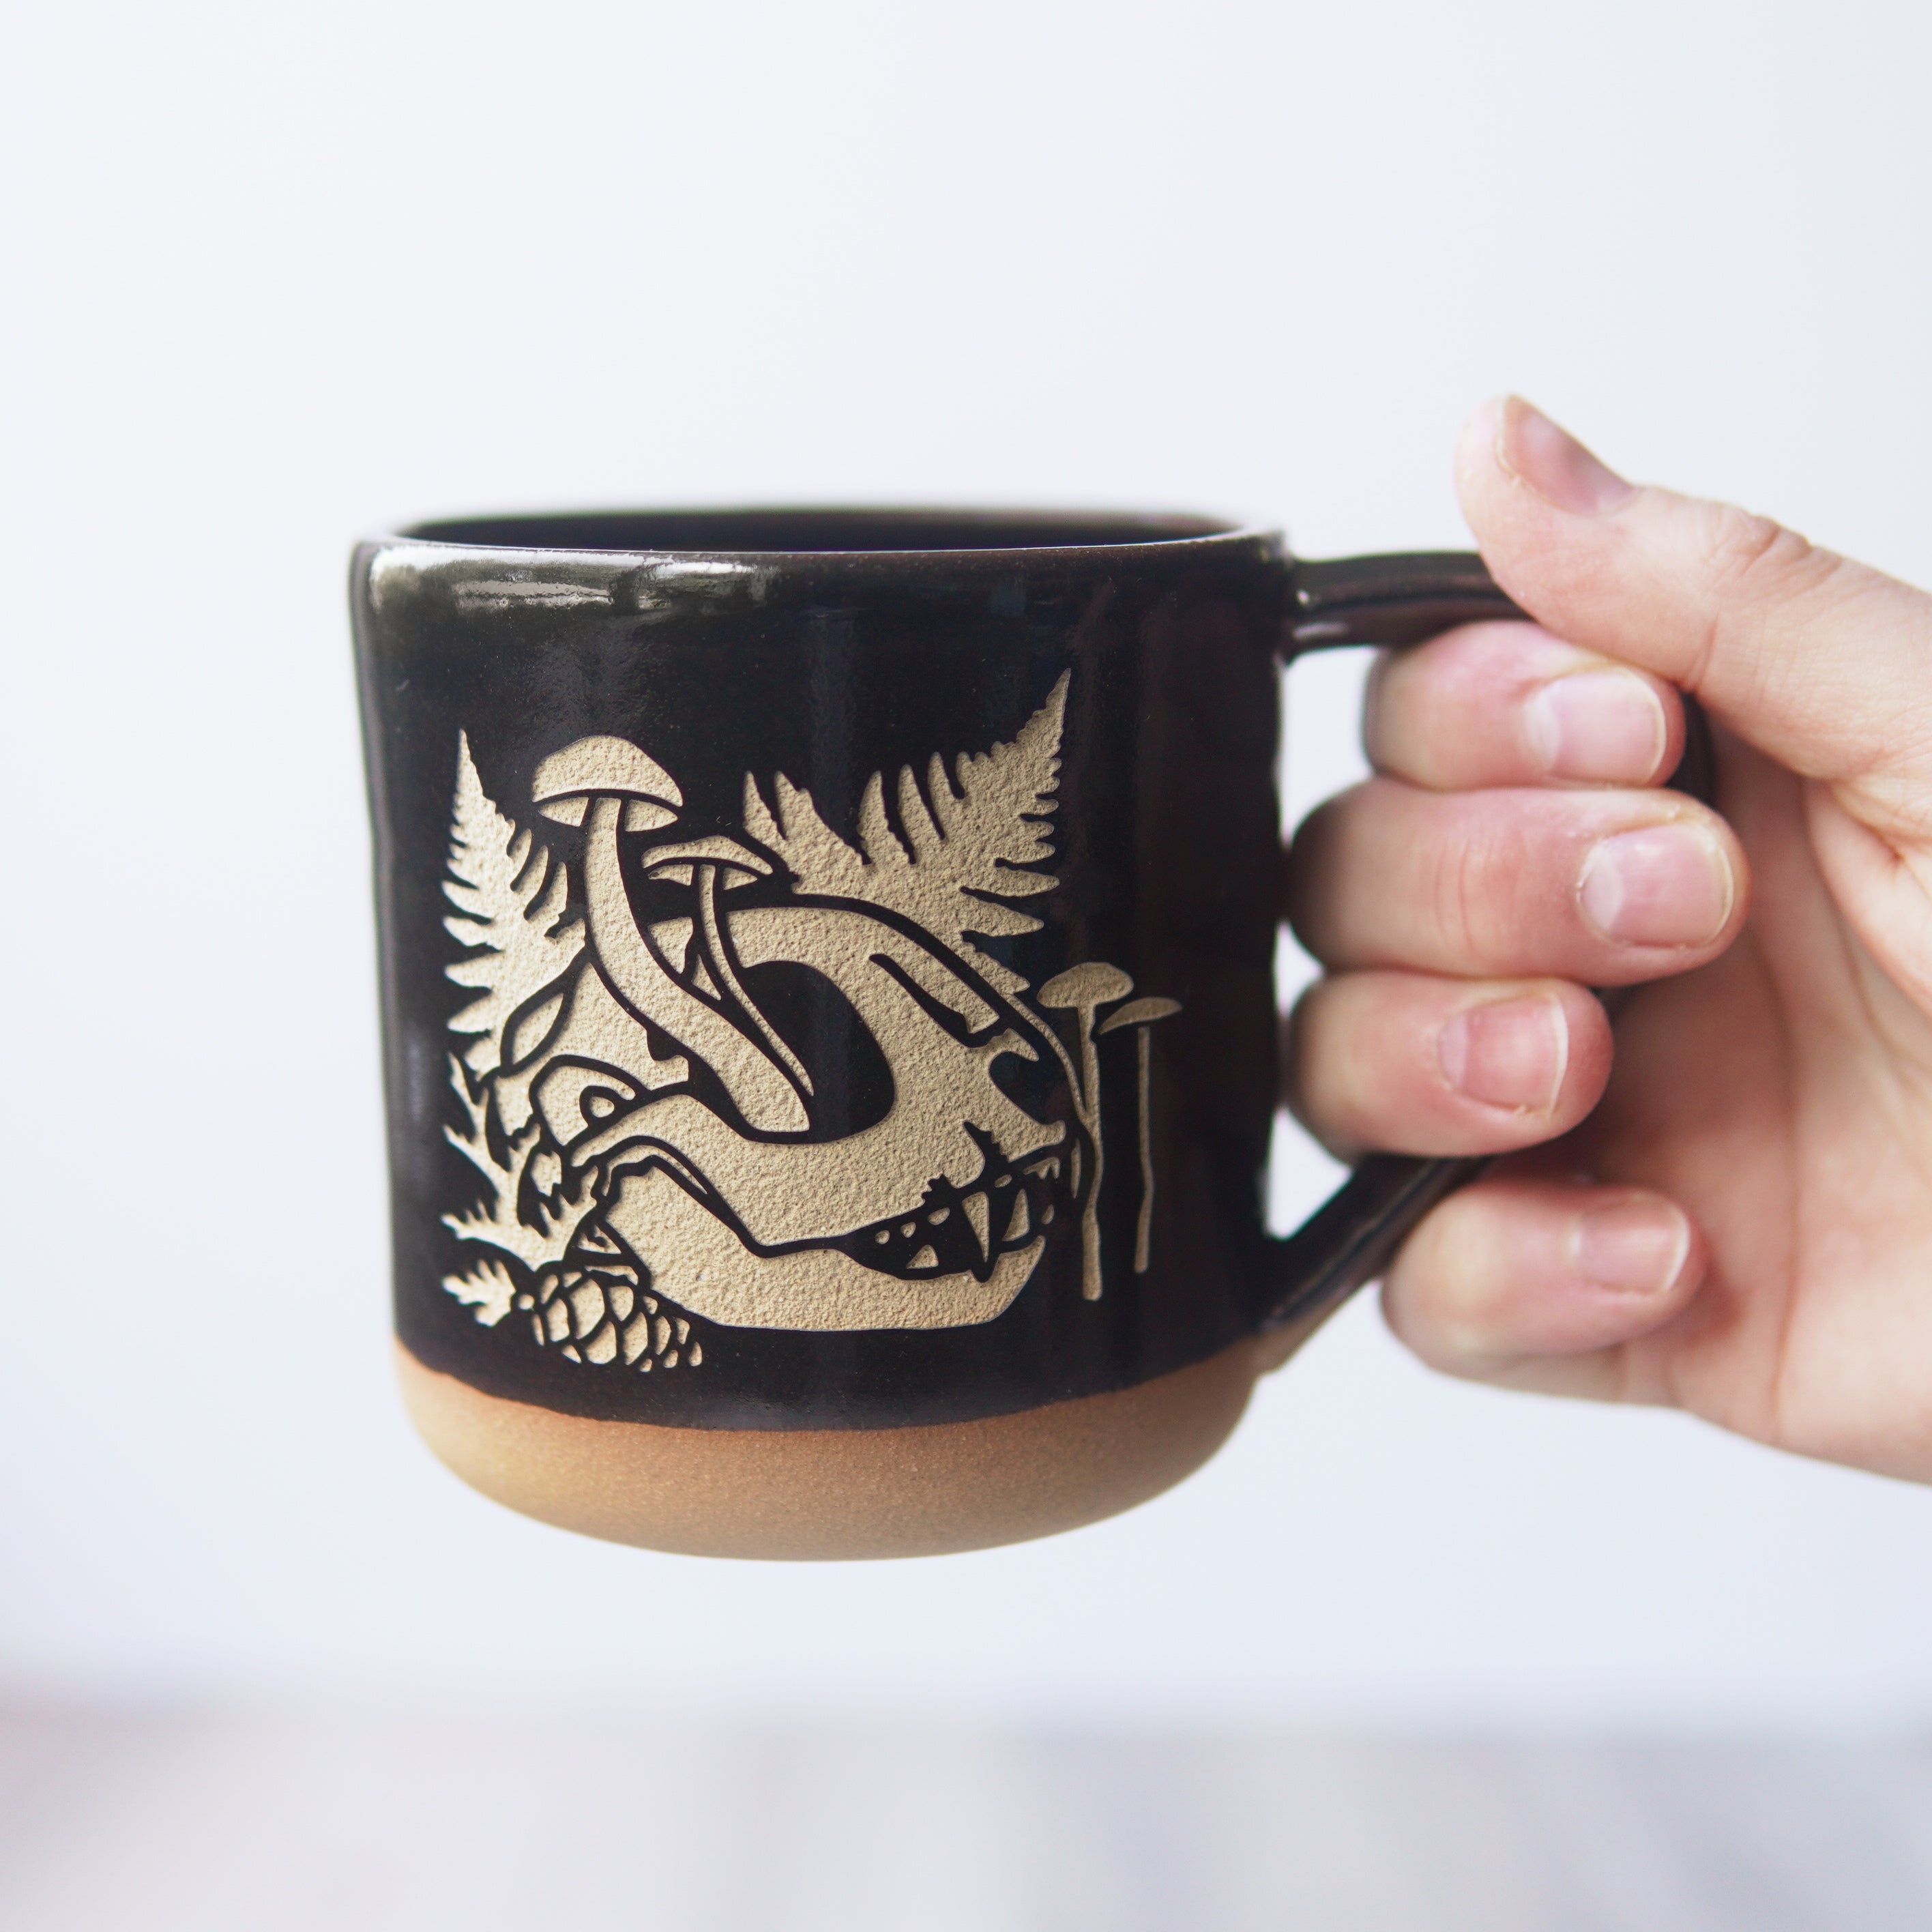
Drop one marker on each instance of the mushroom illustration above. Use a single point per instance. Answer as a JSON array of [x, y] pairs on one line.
[[606, 785], [1141, 1015], [1084, 989], [712, 865], [606, 767]]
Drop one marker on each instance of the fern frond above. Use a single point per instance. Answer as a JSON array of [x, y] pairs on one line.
[[971, 839], [509, 891]]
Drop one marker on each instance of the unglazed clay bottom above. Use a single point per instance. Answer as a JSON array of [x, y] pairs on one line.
[[826, 1493]]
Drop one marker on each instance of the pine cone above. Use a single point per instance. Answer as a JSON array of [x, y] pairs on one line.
[[602, 1314]]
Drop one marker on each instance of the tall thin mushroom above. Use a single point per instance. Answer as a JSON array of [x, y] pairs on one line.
[[1142, 1014], [1085, 989]]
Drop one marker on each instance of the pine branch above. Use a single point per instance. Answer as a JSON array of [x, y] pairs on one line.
[[509, 892], [973, 845]]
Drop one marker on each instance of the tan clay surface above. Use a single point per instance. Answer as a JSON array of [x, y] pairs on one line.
[[826, 1493]]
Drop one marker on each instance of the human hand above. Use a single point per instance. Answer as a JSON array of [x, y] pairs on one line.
[[1735, 1217]]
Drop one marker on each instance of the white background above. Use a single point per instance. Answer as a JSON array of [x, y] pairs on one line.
[[277, 276]]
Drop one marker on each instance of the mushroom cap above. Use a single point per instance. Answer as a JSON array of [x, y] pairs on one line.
[[737, 864], [609, 767], [1139, 1013], [1092, 984]]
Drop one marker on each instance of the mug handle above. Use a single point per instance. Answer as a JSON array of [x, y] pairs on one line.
[[1352, 1237]]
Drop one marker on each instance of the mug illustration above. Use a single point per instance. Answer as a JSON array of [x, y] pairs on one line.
[[746, 1073]]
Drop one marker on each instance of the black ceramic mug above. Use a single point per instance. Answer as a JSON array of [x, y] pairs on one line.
[[830, 1025]]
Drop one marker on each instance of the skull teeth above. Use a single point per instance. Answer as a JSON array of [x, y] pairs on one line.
[[979, 1212], [953, 1234]]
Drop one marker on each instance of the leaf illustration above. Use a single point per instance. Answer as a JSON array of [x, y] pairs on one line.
[[508, 894], [487, 1287], [497, 1223], [971, 839]]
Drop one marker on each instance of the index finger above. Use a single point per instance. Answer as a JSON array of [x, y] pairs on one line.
[[1497, 704]]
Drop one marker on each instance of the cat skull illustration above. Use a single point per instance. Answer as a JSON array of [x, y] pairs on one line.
[[722, 1151]]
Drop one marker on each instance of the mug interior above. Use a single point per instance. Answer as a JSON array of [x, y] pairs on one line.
[[820, 532]]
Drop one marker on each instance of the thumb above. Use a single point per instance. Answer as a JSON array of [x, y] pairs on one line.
[[1821, 663]]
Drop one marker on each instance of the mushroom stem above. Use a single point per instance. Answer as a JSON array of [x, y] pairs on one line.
[[1084, 989], [761, 1090], [1144, 1228], [1089, 1215], [1141, 1015], [725, 973]]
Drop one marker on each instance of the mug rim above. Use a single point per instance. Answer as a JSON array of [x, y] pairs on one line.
[[964, 533]]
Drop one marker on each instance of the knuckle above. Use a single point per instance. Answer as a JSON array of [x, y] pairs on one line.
[[1760, 574], [1457, 886], [1315, 1088], [1427, 1304], [1474, 879], [1756, 558]]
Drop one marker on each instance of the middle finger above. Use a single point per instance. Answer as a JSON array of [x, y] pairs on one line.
[[1602, 887]]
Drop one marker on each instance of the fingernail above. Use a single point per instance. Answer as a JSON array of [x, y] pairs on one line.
[[1635, 1247], [1670, 885], [1509, 1054], [1601, 727], [1553, 464]]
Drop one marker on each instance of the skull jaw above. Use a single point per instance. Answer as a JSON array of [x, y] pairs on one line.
[[696, 1261]]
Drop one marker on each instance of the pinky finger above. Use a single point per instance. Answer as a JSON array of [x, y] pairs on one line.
[[1543, 1285]]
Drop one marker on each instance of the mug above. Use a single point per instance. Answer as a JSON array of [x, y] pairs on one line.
[[829, 1030]]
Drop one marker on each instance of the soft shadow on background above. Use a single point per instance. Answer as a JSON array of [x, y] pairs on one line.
[[276, 278]]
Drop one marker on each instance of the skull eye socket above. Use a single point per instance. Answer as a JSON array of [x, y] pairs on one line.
[[851, 1074]]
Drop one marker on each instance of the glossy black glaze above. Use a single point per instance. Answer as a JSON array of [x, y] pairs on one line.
[[829, 646]]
